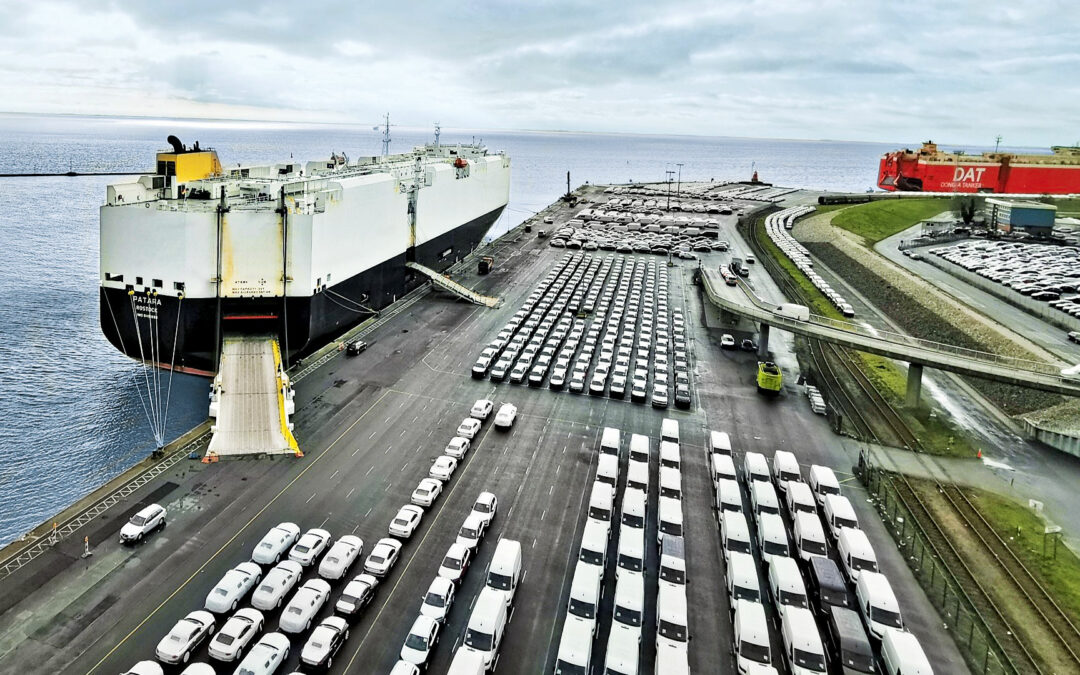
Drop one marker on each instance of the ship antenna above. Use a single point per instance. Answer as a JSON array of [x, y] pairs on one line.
[[437, 129], [386, 136], [997, 142]]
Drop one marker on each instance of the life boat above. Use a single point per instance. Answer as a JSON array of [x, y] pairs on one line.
[[461, 163]]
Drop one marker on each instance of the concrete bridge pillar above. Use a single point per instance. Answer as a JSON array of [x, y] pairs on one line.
[[914, 384], [763, 342]]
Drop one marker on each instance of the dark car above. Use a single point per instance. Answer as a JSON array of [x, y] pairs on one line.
[[747, 345], [825, 586], [356, 347], [682, 397], [325, 641], [846, 637]]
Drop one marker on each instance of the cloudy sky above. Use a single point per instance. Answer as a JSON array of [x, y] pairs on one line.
[[956, 71]]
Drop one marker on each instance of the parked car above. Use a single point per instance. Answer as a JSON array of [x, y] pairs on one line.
[[266, 656], [457, 447], [233, 586], [421, 640], [185, 637], [278, 582], [275, 542], [485, 507], [337, 561], [443, 468], [469, 427], [356, 347], [438, 599], [325, 642], [481, 409], [406, 521], [143, 523], [426, 492], [357, 595], [236, 634], [504, 419]]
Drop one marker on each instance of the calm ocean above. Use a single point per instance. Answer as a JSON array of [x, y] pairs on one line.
[[74, 417]]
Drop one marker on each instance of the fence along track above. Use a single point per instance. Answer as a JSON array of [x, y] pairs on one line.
[[1056, 621]]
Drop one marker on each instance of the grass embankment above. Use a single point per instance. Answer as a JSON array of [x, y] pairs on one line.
[[875, 221], [936, 435]]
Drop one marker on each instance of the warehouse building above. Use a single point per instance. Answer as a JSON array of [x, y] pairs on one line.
[[1007, 215]]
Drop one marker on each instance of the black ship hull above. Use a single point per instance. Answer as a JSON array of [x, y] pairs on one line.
[[185, 334]]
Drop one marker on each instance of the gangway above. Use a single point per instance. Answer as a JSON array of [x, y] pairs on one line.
[[252, 400], [447, 284], [741, 301]]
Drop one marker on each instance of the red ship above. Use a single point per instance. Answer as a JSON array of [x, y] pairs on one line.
[[930, 170]]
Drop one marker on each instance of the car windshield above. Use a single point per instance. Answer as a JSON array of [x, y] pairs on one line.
[[847, 522], [673, 575], [478, 639], [266, 588], [481, 507], [348, 599], [138, 520], [671, 631], [591, 557], [377, 559], [670, 492], [744, 593], [499, 581], [300, 548], [775, 548], [295, 610], [753, 652], [435, 600], [565, 668], [469, 533], [861, 564], [793, 599], [863, 663], [225, 639], [810, 661], [633, 521], [585, 610], [814, 547], [450, 562], [221, 591], [627, 616], [266, 545], [629, 562], [674, 529], [886, 617], [417, 642], [599, 513]]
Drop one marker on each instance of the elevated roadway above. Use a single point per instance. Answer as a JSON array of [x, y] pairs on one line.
[[741, 301]]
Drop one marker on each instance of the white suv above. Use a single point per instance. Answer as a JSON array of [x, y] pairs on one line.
[[143, 523]]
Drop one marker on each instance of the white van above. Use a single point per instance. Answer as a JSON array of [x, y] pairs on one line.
[[823, 482], [669, 430], [800, 499], [631, 549], [629, 604], [751, 643], [669, 455], [741, 576], [637, 476], [855, 552], [734, 533], [585, 592], [594, 543], [902, 654], [772, 536], [839, 513], [723, 467], [803, 649], [633, 508], [607, 470], [728, 496], [623, 651], [504, 571], [610, 441], [575, 646], [601, 501], [755, 468], [669, 518], [487, 623], [719, 443], [763, 498], [785, 468], [672, 560], [786, 584], [809, 536], [467, 662], [877, 603], [672, 628], [639, 448], [670, 483]]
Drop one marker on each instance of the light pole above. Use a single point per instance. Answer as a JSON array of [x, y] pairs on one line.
[[678, 185], [669, 173]]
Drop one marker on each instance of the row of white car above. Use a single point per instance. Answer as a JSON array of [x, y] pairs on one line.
[[777, 226]]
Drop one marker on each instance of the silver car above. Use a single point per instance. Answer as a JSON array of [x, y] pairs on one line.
[[275, 542], [236, 634], [310, 546], [277, 583], [232, 588], [185, 637], [304, 606]]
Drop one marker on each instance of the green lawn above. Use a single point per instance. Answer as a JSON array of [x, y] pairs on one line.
[[877, 220], [818, 303]]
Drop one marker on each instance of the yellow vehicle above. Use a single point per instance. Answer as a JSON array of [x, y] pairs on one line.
[[769, 378]]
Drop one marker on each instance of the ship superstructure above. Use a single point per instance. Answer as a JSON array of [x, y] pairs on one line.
[[297, 251], [931, 170]]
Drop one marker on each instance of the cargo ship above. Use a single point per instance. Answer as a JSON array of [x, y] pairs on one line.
[[297, 251], [931, 170]]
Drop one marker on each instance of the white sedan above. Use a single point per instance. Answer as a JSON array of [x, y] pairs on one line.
[[457, 447], [185, 637], [485, 507], [341, 556], [236, 634], [310, 546], [471, 531], [504, 419], [426, 492], [406, 521], [455, 563], [383, 556], [469, 427], [421, 640], [274, 544], [443, 467], [277, 583], [233, 587], [265, 657], [438, 599], [305, 604], [481, 409]]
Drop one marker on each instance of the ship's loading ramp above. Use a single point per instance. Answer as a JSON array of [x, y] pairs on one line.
[[454, 287], [252, 401]]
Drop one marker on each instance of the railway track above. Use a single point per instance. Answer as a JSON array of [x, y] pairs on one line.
[[854, 413], [1056, 626]]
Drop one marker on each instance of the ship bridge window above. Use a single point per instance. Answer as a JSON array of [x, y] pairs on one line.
[[178, 285], [138, 281], [113, 277], [158, 283]]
